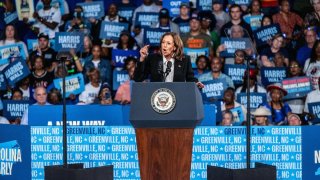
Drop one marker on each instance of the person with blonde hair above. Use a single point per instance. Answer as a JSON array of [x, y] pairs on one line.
[[169, 65]]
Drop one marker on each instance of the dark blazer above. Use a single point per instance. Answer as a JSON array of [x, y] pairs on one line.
[[153, 64]]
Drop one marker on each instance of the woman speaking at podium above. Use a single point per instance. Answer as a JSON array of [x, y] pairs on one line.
[[169, 65]]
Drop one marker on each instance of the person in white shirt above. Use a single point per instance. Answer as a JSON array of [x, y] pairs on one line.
[[91, 90]]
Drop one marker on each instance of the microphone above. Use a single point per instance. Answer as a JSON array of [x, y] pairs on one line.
[[168, 69]]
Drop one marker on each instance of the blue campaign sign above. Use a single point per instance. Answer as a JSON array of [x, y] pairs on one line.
[[238, 115], [16, 71], [15, 152], [146, 19], [3, 83], [310, 153], [265, 33], [235, 72], [152, 36], [91, 115], [119, 55], [14, 109], [184, 27], [240, 2], [65, 41], [13, 49], [32, 44], [94, 9], [119, 77], [112, 30], [271, 75], [194, 53], [314, 108], [232, 44], [126, 12], [255, 99], [213, 89], [74, 84], [254, 21], [10, 17], [174, 6], [297, 87], [204, 5]]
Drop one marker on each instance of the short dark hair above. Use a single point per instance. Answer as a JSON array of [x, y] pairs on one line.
[[234, 6]]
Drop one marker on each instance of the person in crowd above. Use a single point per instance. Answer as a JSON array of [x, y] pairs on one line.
[[54, 97], [40, 95], [310, 37], [10, 36], [113, 16], [40, 77], [227, 118], [165, 23], [126, 41], [24, 86], [208, 22], [287, 19], [279, 60], [216, 66], [268, 54], [239, 58], [221, 17], [312, 65], [196, 39], [312, 97], [17, 95], [170, 65], [78, 22], [229, 103], [266, 20], [147, 6], [279, 109], [255, 15], [85, 55], [254, 87], [261, 115], [123, 94], [184, 16], [104, 96], [313, 18], [236, 19], [44, 50], [294, 120], [202, 63], [47, 19], [99, 63], [91, 89]]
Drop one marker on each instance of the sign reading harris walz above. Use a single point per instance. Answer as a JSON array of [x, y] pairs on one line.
[[93, 9], [240, 2], [314, 108], [146, 19], [213, 90], [112, 30], [271, 75], [152, 36], [297, 87], [235, 72], [16, 71], [255, 99], [265, 33], [232, 44], [65, 41], [13, 109]]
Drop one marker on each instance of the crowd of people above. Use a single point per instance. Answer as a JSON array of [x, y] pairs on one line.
[[296, 47]]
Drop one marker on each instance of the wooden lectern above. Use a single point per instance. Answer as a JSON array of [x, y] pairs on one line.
[[165, 136]]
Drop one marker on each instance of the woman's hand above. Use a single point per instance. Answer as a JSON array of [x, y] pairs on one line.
[[200, 85], [144, 52]]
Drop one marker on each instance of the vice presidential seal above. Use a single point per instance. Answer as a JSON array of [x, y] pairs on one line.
[[163, 101]]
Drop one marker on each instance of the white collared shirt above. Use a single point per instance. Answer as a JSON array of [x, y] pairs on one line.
[[169, 78]]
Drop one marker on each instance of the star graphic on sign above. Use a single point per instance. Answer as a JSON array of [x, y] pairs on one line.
[[221, 131], [292, 139]]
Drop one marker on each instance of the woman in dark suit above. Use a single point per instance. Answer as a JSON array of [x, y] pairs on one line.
[[170, 65]]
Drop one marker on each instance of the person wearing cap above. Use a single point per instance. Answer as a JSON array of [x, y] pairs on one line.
[[221, 17], [44, 50], [196, 39], [261, 115], [279, 109], [165, 23], [304, 52], [104, 96], [184, 15], [47, 19], [294, 120], [254, 87]]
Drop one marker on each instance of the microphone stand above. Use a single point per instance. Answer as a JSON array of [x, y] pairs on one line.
[[248, 137], [64, 114]]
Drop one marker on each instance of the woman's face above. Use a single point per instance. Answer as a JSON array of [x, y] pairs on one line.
[[54, 99], [10, 32], [17, 96], [228, 97], [227, 119], [295, 69], [261, 120], [202, 64], [94, 77], [278, 60], [239, 57], [255, 7], [316, 5], [276, 95], [266, 22], [86, 42], [277, 42], [167, 46], [38, 64], [217, 7], [96, 52], [124, 39]]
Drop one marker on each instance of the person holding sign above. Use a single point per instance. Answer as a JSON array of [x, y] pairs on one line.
[[312, 65], [254, 87], [227, 118], [312, 97], [279, 109], [261, 116], [168, 66]]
